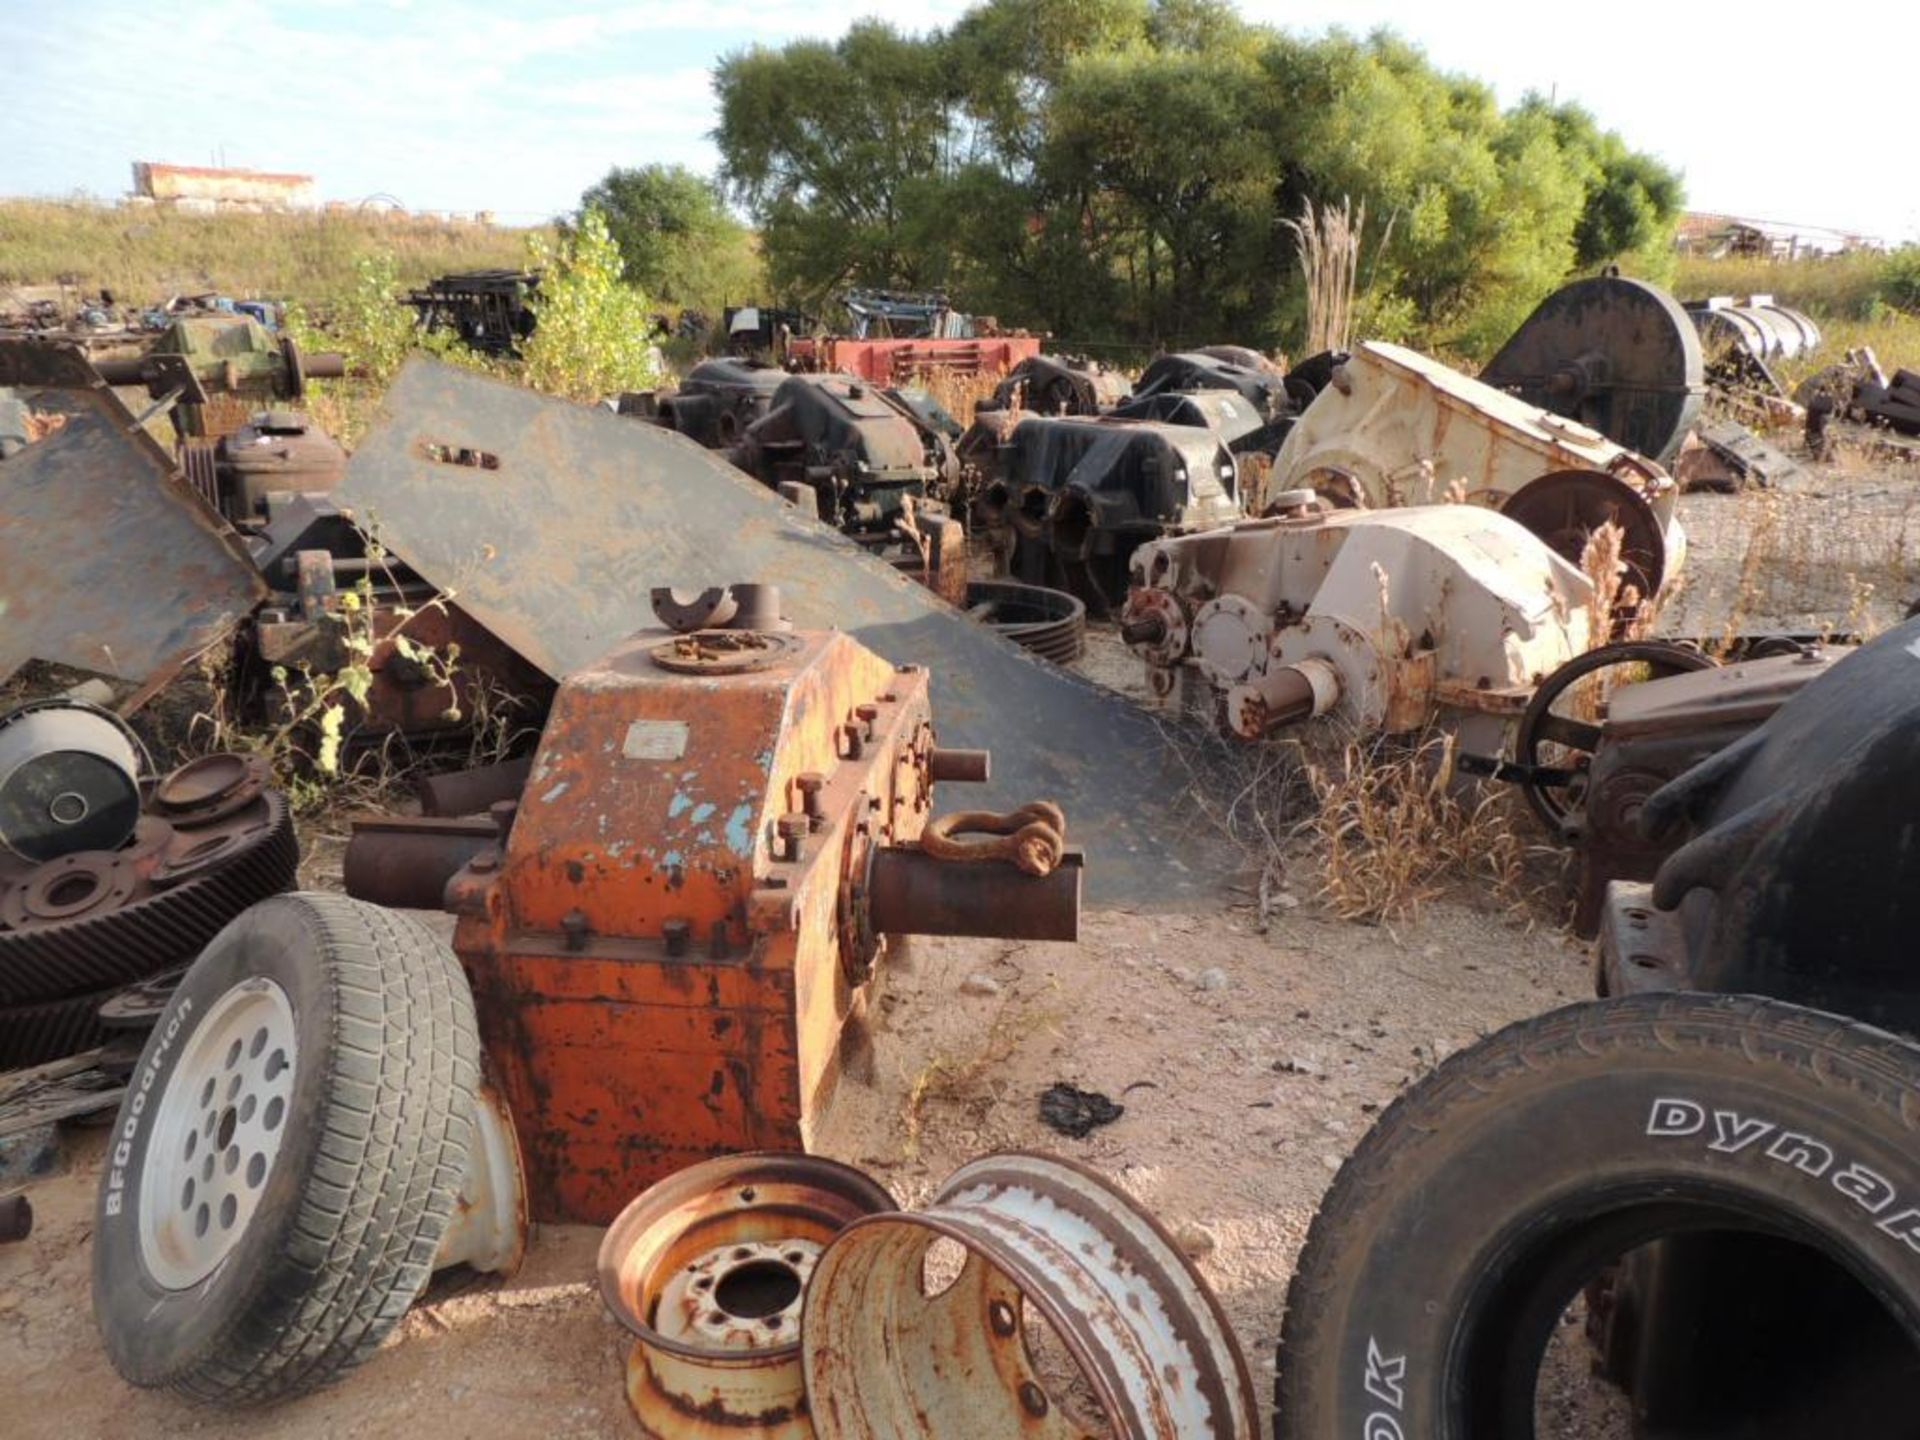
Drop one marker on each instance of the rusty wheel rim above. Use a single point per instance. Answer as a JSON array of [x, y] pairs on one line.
[[708, 1269]]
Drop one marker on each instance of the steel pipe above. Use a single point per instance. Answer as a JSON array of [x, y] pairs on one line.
[[471, 792], [960, 767], [911, 893], [405, 864]]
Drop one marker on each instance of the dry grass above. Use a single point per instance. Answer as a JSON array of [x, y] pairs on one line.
[[959, 394], [1329, 242], [965, 1081], [147, 255], [1394, 830]]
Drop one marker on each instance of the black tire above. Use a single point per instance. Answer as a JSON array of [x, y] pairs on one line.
[[346, 1224], [1453, 1240]]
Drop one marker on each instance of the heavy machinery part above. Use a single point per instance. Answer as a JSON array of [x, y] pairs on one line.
[[1618, 355], [276, 451], [487, 309], [1256, 380], [260, 1226], [1554, 781], [199, 356], [559, 564], [1567, 507], [1763, 329], [1447, 1251], [69, 779], [1051, 623], [1060, 385], [92, 920], [1084, 492], [108, 563], [707, 1269], [929, 546], [1792, 871], [866, 455], [1245, 428], [210, 788], [669, 946], [1729, 457], [1388, 618], [910, 892], [906, 361], [893, 1351], [720, 399], [1395, 428], [1597, 776], [50, 1029]]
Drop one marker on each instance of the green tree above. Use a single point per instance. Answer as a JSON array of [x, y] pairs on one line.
[[1123, 170], [594, 336], [837, 148], [681, 244]]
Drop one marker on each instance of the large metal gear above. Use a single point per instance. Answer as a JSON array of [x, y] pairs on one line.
[[97, 920], [49, 1029], [1618, 355]]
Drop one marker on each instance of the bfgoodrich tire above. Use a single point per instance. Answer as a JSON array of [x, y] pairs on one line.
[[288, 1154], [1486, 1198]]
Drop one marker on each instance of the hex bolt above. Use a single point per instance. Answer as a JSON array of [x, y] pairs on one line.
[[867, 714], [811, 783], [502, 813], [1000, 1316], [856, 743], [485, 862], [719, 947], [792, 829], [573, 925], [678, 934], [1033, 1399]]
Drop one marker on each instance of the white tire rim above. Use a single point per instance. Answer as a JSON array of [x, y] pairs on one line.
[[219, 1129]]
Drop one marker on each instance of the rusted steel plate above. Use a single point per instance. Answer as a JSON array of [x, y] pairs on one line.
[[108, 562], [889, 1353], [552, 523]]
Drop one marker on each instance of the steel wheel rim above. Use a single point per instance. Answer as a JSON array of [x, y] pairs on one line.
[[221, 1125]]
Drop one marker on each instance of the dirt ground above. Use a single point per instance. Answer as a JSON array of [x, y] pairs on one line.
[[1248, 1064]]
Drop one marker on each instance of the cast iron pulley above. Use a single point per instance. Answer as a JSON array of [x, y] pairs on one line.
[[1618, 355], [1554, 781], [1565, 508], [69, 779]]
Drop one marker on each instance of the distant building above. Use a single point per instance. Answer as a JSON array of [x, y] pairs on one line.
[[1717, 236], [199, 187]]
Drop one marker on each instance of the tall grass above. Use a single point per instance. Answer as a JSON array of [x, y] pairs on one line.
[[146, 255]]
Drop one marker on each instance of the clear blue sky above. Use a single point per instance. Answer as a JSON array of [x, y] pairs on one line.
[[517, 106]]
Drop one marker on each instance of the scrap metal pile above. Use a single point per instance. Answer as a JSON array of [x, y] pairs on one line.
[[109, 877], [672, 916]]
